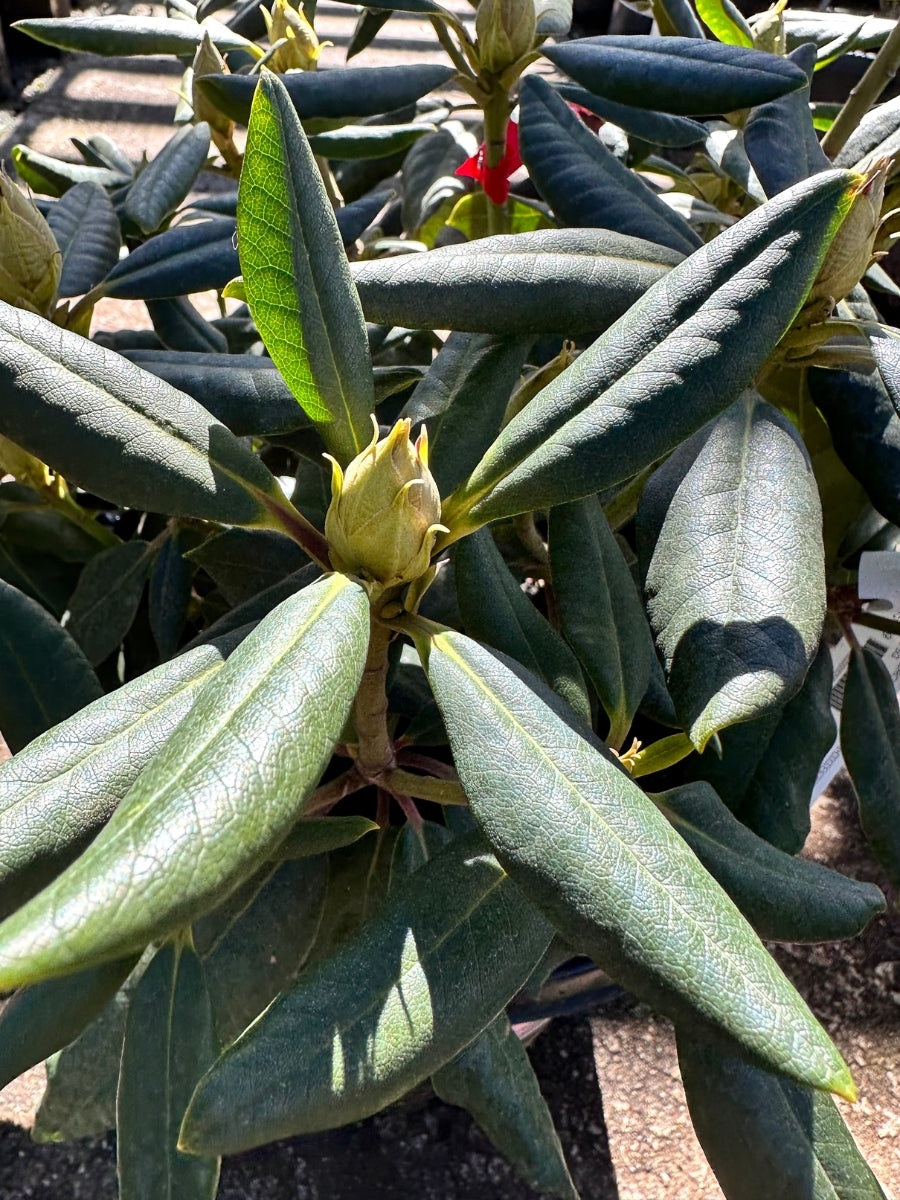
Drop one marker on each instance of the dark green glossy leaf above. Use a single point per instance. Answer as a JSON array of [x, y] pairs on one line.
[[756, 1126], [725, 148], [169, 1043], [726, 21], [53, 177], [342, 94], [243, 562], [103, 151], [261, 951], [56, 793], [369, 24], [38, 1021], [298, 283], [245, 615], [180, 326], [785, 122], [785, 899], [676, 18], [87, 232], [496, 610], [191, 257], [115, 430], [165, 182], [244, 392], [583, 183], [870, 744], [660, 129], [768, 767], [217, 799], [554, 280], [367, 141], [865, 430], [320, 835], [105, 602], [131, 35], [41, 576], [359, 876], [878, 124], [554, 17], [601, 614], [430, 185], [169, 595], [419, 997], [590, 850], [736, 585], [493, 1080], [681, 355], [462, 400], [44, 676], [678, 75], [80, 1100]]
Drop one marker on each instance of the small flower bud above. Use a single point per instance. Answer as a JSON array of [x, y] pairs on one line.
[[208, 61], [506, 31], [851, 252], [30, 261], [385, 510]]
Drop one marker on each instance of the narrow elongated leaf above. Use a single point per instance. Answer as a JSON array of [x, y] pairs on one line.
[[244, 392], [753, 1125], [553, 280], [297, 279], [80, 1100], [216, 801], [166, 181], [768, 767], [368, 25], [582, 182], [245, 615], [878, 124], [44, 676], [342, 94], [865, 430], [53, 177], [601, 615], [660, 129], [462, 400], [886, 353], [682, 354], [261, 952], [726, 21], [180, 326], [785, 899], [677, 75], [191, 257], [57, 792], [367, 141], [38, 1021], [870, 718], [109, 591], [785, 122], [320, 835], [736, 586], [169, 1043], [590, 850], [554, 17], [108, 426], [116, 35], [822, 28], [244, 562], [87, 232], [169, 595], [725, 147], [419, 997], [493, 1080], [496, 610]]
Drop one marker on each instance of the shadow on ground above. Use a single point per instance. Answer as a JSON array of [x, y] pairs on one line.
[[432, 1152]]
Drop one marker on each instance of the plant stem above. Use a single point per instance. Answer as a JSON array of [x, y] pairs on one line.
[[496, 122], [453, 51], [864, 95], [422, 787], [527, 533], [331, 185], [375, 755], [331, 793], [303, 532]]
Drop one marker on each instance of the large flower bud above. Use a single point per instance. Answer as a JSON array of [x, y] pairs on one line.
[[506, 31], [851, 252], [30, 261], [300, 47], [385, 510]]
